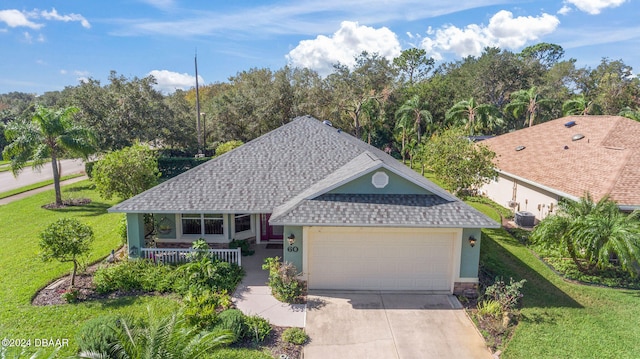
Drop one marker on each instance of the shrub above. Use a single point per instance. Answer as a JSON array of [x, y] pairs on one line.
[[282, 280], [207, 274], [295, 336], [172, 166], [71, 295], [257, 328], [507, 295], [227, 146], [200, 309], [245, 247], [489, 307], [88, 168], [233, 320], [97, 334], [134, 275]]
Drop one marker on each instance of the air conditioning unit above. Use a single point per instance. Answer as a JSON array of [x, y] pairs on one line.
[[525, 219]]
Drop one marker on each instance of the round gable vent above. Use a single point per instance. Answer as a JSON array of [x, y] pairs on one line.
[[380, 179]]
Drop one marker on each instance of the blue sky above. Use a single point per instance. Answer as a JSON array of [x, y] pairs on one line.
[[47, 45]]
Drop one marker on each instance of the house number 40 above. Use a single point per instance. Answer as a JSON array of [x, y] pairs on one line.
[[292, 249]]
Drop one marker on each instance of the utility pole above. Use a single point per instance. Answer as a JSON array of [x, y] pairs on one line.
[[198, 132]]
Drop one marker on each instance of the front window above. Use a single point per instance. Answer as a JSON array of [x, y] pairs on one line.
[[191, 224], [213, 224], [242, 222], [203, 224]]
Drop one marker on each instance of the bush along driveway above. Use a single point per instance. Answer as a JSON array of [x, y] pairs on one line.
[[561, 319]]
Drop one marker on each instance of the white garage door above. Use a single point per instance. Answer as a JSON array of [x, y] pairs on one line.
[[379, 259]]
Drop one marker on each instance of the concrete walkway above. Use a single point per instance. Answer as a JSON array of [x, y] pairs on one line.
[[253, 296]]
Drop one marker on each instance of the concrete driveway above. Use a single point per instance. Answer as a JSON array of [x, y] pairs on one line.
[[390, 325]]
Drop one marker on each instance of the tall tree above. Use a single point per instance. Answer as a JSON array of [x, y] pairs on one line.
[[459, 163], [527, 102], [416, 109], [49, 136], [414, 64], [580, 105], [545, 53], [476, 118]]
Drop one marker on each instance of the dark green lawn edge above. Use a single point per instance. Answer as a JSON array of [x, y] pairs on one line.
[[30, 187]]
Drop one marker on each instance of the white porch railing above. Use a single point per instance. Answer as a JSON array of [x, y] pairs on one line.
[[179, 255]]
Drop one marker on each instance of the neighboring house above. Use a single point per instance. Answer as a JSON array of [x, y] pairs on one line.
[[357, 218], [566, 158]]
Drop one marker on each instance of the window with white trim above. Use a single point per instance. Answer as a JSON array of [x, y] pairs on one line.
[[202, 224], [242, 222]]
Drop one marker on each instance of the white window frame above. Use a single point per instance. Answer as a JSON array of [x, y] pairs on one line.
[[201, 217], [243, 234]]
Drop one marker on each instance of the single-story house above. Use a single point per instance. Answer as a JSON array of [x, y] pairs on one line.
[[566, 158], [349, 216]]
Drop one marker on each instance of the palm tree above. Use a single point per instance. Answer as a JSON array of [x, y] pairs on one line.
[[475, 117], [403, 128], [612, 233], [592, 231], [416, 110], [160, 337], [628, 112], [49, 135], [527, 102], [579, 105]]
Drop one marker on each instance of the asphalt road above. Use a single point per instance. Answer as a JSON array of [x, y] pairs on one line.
[[29, 176]]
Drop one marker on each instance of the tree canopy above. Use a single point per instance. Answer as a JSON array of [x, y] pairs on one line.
[[66, 240], [49, 136], [126, 172]]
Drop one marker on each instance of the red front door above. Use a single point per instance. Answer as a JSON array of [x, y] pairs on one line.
[[269, 232]]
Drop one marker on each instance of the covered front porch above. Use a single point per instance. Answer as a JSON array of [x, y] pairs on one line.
[[169, 237]]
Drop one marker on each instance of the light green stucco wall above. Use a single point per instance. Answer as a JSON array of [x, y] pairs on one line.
[[167, 220], [363, 185], [470, 256], [135, 233], [290, 254]]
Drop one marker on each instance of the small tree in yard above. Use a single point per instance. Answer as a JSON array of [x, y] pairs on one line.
[[458, 162], [126, 172], [66, 240]]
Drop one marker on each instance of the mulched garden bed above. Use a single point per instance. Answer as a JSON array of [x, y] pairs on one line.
[[52, 295], [68, 203]]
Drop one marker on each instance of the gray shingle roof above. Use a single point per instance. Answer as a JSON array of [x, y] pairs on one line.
[[280, 171], [397, 210]]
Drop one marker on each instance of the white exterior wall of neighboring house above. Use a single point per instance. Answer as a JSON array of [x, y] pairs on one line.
[[527, 196]]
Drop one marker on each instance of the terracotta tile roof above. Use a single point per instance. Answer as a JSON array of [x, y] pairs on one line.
[[605, 161]]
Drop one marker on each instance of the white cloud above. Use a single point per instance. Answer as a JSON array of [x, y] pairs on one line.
[[53, 15], [15, 18], [594, 7], [27, 37], [564, 10], [503, 31], [348, 42], [169, 81]]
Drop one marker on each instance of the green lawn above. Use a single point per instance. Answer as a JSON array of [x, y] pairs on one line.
[[561, 319], [23, 273]]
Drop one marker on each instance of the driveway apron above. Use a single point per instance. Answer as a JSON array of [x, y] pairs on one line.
[[390, 325]]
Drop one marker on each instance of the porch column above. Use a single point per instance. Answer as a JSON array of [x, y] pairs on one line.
[[258, 222], [135, 234]]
